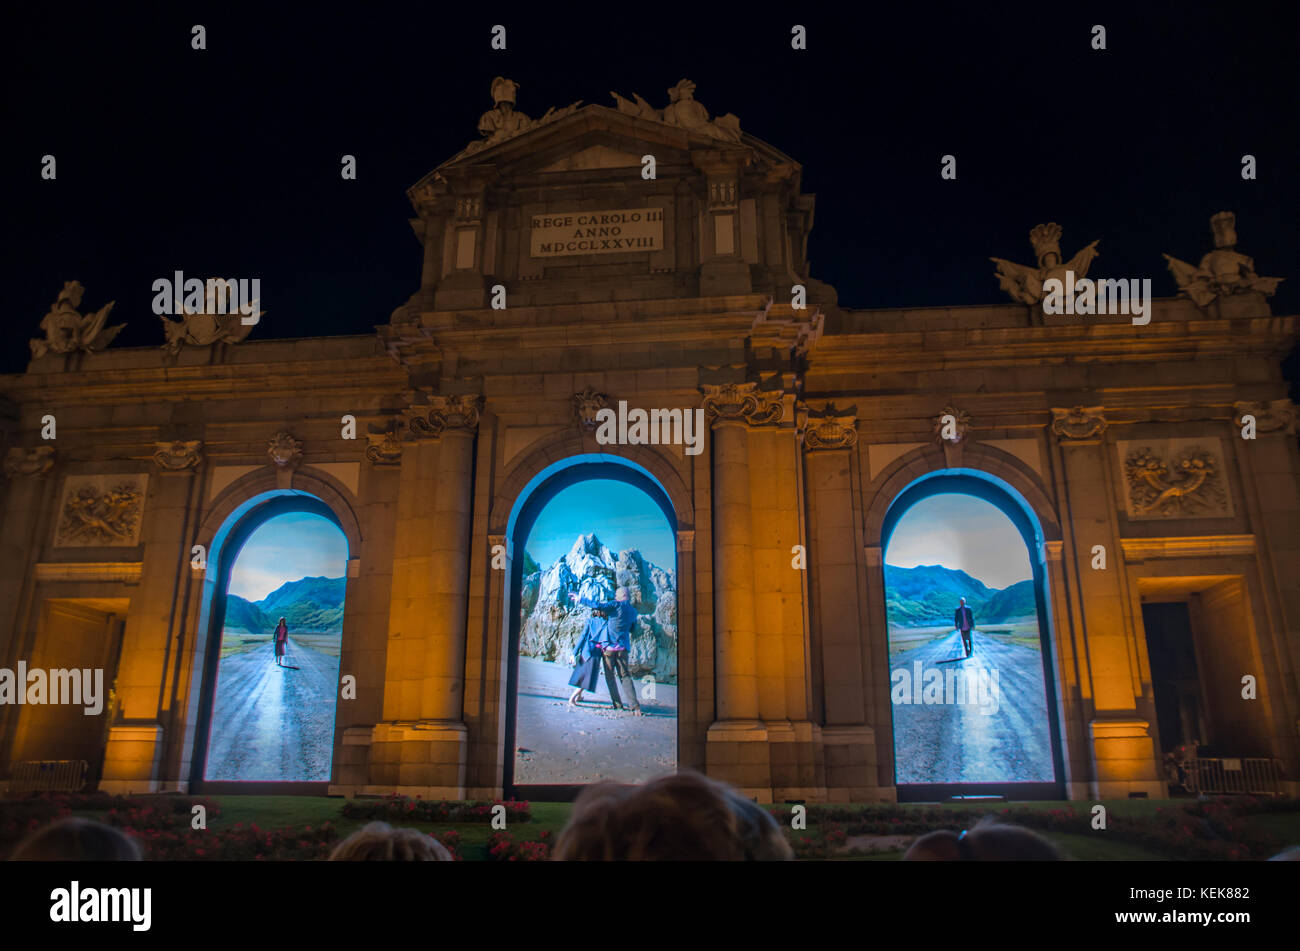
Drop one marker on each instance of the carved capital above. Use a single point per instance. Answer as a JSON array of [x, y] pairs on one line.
[[284, 451], [586, 405], [1270, 416], [831, 428], [951, 426], [1078, 423], [384, 449], [744, 402], [686, 540], [439, 414], [178, 456], [34, 462]]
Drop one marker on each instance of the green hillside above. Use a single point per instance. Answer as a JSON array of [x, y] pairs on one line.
[[929, 594]]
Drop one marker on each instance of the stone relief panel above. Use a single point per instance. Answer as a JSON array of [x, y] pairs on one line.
[[101, 511], [1174, 478]]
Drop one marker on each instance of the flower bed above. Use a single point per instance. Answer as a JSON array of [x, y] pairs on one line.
[[501, 847], [1202, 830], [405, 809]]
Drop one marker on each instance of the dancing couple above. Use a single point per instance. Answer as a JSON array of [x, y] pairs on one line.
[[606, 643]]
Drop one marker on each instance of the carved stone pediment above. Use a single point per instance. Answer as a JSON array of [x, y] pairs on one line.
[[586, 405], [831, 428], [1078, 423], [36, 461], [1270, 417], [284, 451], [178, 456], [101, 511]]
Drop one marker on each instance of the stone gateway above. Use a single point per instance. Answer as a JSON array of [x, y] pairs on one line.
[[1149, 530]]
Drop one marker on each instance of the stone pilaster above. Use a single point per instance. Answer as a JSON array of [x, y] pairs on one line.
[[421, 746], [737, 750], [26, 497], [134, 758], [1123, 749], [836, 579]]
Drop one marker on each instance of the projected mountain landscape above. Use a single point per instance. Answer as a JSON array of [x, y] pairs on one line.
[[928, 595], [551, 626], [308, 605]]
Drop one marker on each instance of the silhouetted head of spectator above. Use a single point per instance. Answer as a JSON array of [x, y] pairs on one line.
[[678, 817], [380, 842], [987, 841], [77, 840], [1287, 855], [760, 833]]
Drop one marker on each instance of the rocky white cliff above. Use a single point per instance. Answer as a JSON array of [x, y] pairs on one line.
[[552, 626]]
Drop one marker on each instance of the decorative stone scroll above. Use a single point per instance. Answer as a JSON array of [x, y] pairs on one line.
[[1079, 423], [385, 449], [178, 456], [724, 402], [1174, 478], [455, 412], [101, 511], [586, 405], [284, 451], [1271, 416], [831, 428], [36, 461]]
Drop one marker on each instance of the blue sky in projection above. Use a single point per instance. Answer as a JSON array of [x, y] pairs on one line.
[[962, 532], [621, 515], [288, 547]]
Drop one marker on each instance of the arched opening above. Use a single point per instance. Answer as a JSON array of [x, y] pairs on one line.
[[582, 530], [971, 685], [274, 639]]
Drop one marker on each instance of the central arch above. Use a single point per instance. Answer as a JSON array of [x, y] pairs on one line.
[[532, 500]]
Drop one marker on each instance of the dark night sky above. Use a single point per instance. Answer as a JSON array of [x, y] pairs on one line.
[[226, 161]]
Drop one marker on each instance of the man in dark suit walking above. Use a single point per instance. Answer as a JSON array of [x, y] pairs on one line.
[[964, 621]]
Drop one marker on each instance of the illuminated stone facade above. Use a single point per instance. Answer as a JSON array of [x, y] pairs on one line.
[[819, 417]]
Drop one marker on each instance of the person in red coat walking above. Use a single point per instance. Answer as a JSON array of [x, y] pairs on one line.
[[281, 641]]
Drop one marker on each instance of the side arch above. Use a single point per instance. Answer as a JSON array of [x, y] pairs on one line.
[[230, 515]]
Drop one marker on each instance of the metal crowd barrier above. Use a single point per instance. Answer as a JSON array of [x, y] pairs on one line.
[[1226, 775], [51, 775]]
